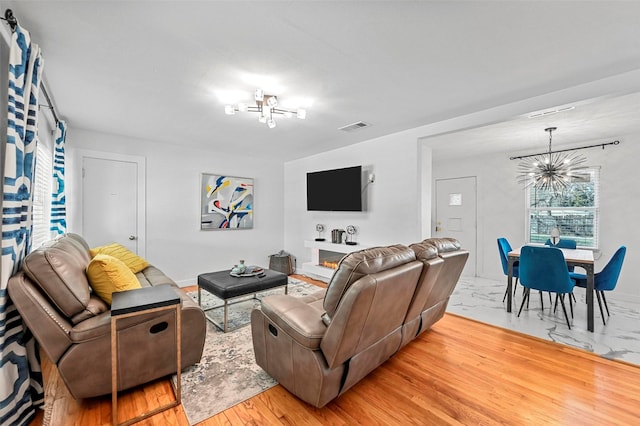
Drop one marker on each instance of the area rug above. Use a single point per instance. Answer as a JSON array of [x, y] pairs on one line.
[[227, 374]]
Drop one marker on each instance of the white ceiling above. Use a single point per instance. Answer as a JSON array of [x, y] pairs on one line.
[[154, 70], [590, 122]]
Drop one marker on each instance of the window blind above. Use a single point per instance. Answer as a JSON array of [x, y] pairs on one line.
[[42, 197]]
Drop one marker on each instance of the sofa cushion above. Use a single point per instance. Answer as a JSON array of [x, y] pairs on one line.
[[358, 264], [108, 274], [152, 276], [132, 260], [424, 250], [58, 268], [96, 306], [443, 245]]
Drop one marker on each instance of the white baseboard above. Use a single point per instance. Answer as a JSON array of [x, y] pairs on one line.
[[188, 282]]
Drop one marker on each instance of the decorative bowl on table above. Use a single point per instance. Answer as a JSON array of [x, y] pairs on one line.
[[250, 271]]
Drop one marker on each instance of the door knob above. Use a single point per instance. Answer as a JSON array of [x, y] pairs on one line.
[[132, 237]]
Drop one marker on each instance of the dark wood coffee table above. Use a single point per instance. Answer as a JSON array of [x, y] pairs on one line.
[[226, 287]]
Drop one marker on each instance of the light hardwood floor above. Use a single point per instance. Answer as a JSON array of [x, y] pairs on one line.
[[459, 372]]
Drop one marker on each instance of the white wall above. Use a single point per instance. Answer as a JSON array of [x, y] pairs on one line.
[[174, 242], [501, 206], [393, 201]]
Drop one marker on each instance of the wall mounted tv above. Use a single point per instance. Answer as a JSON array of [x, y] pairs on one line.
[[335, 190]]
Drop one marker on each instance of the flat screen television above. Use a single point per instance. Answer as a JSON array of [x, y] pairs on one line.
[[337, 190]]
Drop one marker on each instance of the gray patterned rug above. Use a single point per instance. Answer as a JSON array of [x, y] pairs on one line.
[[227, 374]]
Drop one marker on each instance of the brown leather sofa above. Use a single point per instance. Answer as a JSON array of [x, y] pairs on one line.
[[72, 325], [378, 300], [443, 261]]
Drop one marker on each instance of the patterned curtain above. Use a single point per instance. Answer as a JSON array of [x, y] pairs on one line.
[[21, 387], [58, 201]]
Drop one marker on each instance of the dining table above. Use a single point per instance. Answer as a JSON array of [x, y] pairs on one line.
[[574, 257]]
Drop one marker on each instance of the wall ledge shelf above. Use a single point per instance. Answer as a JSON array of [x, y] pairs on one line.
[[338, 248], [312, 268]]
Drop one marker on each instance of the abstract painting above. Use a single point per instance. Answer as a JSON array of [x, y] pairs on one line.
[[226, 202]]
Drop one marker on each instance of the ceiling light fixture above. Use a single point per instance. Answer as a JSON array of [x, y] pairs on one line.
[[551, 171], [266, 106]]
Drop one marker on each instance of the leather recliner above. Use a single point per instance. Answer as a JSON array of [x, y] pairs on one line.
[[73, 325], [443, 260], [379, 299]]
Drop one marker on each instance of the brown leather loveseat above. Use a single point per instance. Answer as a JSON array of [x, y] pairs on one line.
[[72, 324], [378, 300]]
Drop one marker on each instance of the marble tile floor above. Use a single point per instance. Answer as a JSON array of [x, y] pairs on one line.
[[481, 299]]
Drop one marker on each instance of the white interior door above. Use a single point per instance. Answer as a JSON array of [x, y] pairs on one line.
[[456, 215], [111, 202]]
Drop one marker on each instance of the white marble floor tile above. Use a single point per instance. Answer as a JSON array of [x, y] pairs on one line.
[[481, 299]]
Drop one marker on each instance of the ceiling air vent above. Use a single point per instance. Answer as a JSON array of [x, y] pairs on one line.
[[550, 111], [354, 126]]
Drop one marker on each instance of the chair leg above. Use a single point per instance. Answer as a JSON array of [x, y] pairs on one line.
[[555, 306], [565, 312], [550, 298], [541, 302], [506, 291], [604, 299], [573, 296], [570, 303], [524, 299], [600, 305]]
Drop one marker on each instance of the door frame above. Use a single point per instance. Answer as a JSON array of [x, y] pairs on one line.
[[435, 212], [141, 190]]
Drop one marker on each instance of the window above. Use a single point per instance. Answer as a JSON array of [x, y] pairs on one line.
[[574, 211], [42, 197]]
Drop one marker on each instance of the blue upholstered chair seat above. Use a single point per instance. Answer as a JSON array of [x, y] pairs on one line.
[[503, 249], [545, 269], [581, 279], [604, 280], [566, 244]]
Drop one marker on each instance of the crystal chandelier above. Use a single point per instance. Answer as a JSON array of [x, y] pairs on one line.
[[266, 106], [552, 171]]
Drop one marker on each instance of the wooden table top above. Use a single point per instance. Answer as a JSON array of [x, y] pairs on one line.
[[572, 255]]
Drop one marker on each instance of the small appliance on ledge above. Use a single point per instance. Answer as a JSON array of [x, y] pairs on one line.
[[320, 229], [351, 231]]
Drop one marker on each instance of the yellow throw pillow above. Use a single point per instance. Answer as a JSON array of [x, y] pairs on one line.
[[108, 274], [132, 260]]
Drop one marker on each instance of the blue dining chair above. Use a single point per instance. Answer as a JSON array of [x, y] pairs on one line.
[[563, 243], [504, 248], [604, 280], [544, 269]]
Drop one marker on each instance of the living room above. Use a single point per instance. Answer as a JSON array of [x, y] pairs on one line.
[[282, 221], [406, 156]]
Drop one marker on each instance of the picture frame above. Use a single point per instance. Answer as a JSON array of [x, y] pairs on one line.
[[226, 202]]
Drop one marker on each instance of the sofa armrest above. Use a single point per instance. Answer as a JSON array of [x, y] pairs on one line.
[[100, 325], [300, 320], [50, 328]]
